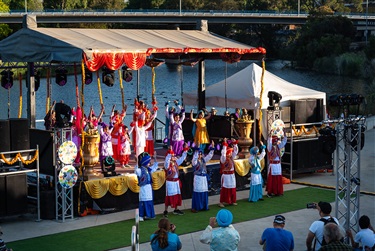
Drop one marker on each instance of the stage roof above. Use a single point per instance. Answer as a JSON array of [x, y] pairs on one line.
[[115, 47]]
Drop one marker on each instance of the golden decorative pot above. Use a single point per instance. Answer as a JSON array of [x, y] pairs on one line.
[[90, 151], [243, 129]]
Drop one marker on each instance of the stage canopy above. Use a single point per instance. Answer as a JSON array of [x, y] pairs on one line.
[[116, 47]]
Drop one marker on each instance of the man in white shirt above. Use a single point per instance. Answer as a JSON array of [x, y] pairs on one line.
[[317, 227]]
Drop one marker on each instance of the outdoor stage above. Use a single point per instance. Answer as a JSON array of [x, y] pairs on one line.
[[120, 192]]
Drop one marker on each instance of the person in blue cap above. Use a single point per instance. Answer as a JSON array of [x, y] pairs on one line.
[[226, 237], [256, 181], [277, 238], [143, 171]]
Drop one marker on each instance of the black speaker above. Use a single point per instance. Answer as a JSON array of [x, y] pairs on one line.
[[4, 136], [19, 134], [47, 205], [310, 154], [3, 196], [44, 140], [16, 194], [306, 111]]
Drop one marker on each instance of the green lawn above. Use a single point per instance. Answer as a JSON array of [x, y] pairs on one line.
[[116, 235]]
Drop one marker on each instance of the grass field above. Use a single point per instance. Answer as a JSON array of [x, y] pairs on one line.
[[116, 235]]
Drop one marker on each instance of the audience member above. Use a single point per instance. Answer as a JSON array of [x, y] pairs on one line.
[[277, 238], [224, 238], [200, 187], [256, 181], [365, 236], [316, 228], [228, 179], [164, 239], [333, 236]]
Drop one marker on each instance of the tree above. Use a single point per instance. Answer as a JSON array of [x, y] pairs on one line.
[[323, 36], [4, 28]]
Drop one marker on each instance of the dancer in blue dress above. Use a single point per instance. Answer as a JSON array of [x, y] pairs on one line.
[[256, 181]]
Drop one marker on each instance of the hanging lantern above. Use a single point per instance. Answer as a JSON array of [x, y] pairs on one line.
[[61, 78], [108, 76], [88, 76], [7, 79], [127, 74]]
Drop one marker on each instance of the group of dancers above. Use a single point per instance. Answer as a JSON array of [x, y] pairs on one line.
[[115, 142]]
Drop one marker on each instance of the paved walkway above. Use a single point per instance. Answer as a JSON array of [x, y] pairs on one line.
[[18, 228]]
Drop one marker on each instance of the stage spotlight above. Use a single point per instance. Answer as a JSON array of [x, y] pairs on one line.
[[355, 130], [36, 80], [61, 78], [7, 79], [88, 76], [63, 115], [108, 76], [356, 99], [127, 74], [336, 100], [346, 99], [274, 100]]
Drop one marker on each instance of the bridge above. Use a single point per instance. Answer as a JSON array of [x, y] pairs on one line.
[[360, 20]]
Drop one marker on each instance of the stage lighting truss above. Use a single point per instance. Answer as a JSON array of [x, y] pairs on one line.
[[7, 79], [61, 77], [127, 74], [345, 99], [108, 76], [88, 76], [274, 99]]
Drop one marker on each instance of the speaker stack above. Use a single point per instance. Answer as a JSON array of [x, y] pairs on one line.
[[309, 155], [4, 136], [19, 134]]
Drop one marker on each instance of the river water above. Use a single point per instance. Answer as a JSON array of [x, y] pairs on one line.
[[170, 82]]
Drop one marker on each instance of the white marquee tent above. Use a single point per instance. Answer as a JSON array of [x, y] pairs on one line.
[[243, 90]]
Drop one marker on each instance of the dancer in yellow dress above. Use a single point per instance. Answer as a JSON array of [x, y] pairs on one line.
[[201, 137]]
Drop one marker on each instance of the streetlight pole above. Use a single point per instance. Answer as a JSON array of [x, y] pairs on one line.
[[299, 7], [26, 6], [180, 7], [366, 21]]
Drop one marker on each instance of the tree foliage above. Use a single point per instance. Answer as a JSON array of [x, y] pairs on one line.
[[323, 36], [4, 28]]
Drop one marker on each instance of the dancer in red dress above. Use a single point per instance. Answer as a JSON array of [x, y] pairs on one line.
[[275, 179], [228, 178]]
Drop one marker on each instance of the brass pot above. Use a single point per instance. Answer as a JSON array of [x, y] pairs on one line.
[[243, 129], [90, 151]]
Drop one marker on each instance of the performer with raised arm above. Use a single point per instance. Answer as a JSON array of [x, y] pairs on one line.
[[173, 190], [140, 128], [200, 186], [116, 120], [228, 179], [143, 170], [256, 181], [275, 179], [200, 132], [177, 139]]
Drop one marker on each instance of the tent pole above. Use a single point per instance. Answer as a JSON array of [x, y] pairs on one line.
[[201, 86], [31, 106]]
